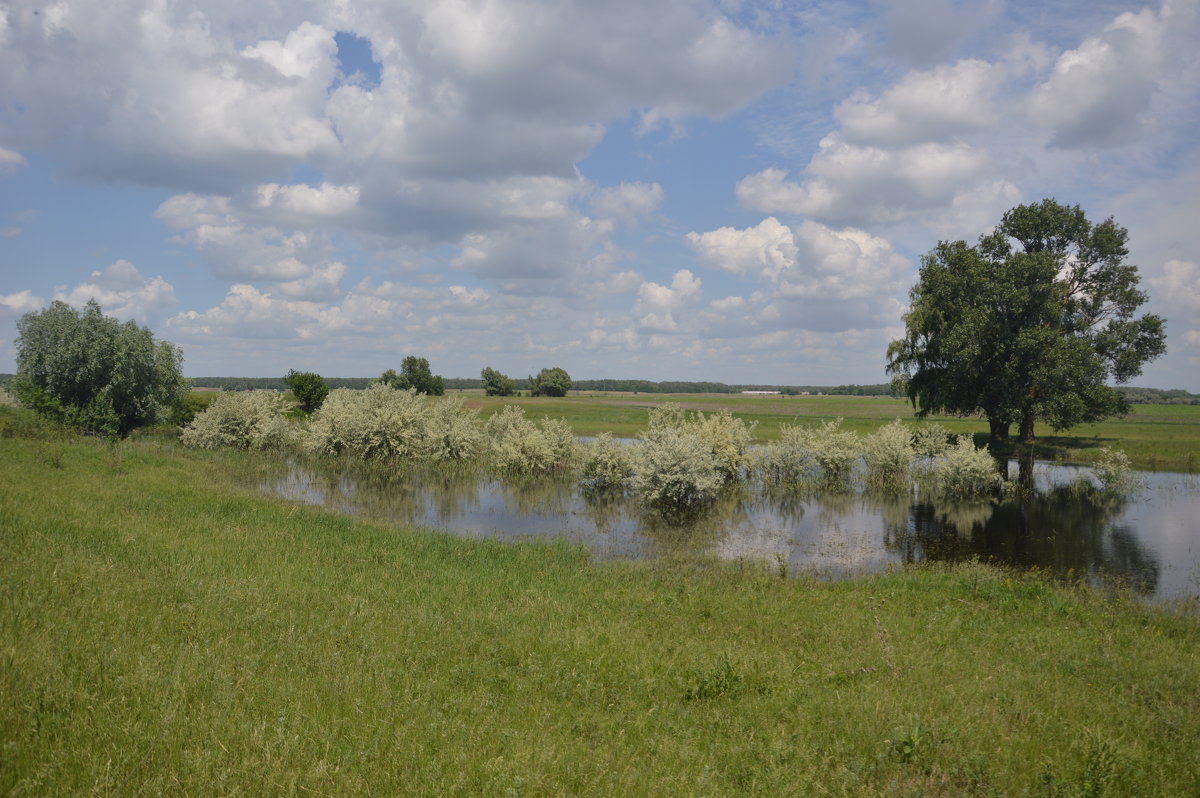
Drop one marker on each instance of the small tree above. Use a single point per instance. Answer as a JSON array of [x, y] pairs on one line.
[[550, 382], [495, 383], [91, 371], [308, 387]]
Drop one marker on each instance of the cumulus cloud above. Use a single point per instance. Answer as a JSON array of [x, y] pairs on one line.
[[20, 303], [627, 201], [848, 183], [304, 200], [811, 261], [123, 292], [924, 106], [657, 304], [1179, 285], [1100, 94]]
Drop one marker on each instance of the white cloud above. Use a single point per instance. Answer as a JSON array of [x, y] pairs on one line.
[[20, 303], [1100, 94], [304, 200], [123, 292], [628, 201], [10, 159], [1179, 285], [854, 184], [656, 303], [925, 31], [812, 261], [924, 106]]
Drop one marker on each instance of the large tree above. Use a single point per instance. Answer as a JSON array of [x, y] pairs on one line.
[[94, 372], [1031, 324], [416, 374], [495, 383], [550, 382]]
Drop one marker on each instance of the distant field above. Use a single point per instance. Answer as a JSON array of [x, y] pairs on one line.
[[1165, 437]]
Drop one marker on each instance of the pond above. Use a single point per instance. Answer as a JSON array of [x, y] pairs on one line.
[[1149, 541]]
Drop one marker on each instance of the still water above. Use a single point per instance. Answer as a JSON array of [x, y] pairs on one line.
[[1150, 541]]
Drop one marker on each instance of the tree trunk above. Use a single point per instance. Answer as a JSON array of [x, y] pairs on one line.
[[1027, 426], [998, 429]]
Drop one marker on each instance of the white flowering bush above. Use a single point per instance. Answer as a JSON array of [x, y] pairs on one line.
[[728, 440], [930, 440], [607, 464], [241, 420], [377, 423], [1114, 473], [675, 467], [454, 431], [824, 454], [888, 454], [518, 445], [965, 470]]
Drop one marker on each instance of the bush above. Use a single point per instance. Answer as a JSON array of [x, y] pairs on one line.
[[1114, 473], [607, 464], [454, 431], [888, 454], [728, 440], [824, 454], [675, 467], [377, 423], [930, 440], [193, 404], [965, 470], [242, 420], [520, 446]]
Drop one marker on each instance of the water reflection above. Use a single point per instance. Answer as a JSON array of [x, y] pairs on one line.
[[1150, 543]]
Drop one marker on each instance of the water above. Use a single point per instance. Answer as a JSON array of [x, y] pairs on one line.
[[1149, 542]]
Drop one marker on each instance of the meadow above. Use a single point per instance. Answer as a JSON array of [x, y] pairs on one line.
[[1156, 437], [165, 629]]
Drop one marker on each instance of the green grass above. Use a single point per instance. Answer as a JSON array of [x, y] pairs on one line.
[[165, 630], [1160, 437]]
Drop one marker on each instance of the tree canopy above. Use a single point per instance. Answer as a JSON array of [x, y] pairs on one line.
[[550, 382], [308, 387], [495, 383], [1028, 325], [91, 371], [416, 374]]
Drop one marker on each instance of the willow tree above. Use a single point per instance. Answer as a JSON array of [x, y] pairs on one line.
[[1031, 324]]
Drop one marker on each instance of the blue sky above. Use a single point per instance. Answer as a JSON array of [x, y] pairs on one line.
[[730, 191]]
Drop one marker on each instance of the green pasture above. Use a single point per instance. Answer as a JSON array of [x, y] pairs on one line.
[[166, 630], [1163, 437]]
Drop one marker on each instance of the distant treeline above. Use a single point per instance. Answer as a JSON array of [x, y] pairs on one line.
[[1149, 396]]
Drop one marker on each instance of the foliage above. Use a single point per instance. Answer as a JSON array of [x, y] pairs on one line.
[[415, 374], [308, 387], [1027, 332], [728, 440], [495, 383], [550, 382], [930, 440], [520, 446], [1114, 473], [454, 430], [380, 422], [93, 372], [823, 454], [240, 420], [193, 403], [965, 470], [888, 453], [607, 464], [675, 467]]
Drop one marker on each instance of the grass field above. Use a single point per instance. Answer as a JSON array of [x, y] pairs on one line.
[[164, 630], [1162, 437]]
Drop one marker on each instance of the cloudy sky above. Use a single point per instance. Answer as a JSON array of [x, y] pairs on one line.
[[682, 189]]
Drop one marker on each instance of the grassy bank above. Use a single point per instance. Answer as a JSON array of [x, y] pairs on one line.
[[1162, 437], [166, 630]]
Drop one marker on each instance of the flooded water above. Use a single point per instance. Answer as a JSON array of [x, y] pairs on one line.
[[1150, 542]]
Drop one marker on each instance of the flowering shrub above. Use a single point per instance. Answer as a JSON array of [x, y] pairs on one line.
[[728, 440], [675, 467], [823, 454], [930, 440], [518, 445], [242, 420], [377, 423], [607, 464], [965, 470], [888, 453], [454, 431], [1114, 473]]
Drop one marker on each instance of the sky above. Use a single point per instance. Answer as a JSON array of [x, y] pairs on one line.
[[678, 190]]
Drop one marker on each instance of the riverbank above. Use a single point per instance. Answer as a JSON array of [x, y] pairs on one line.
[[167, 630]]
